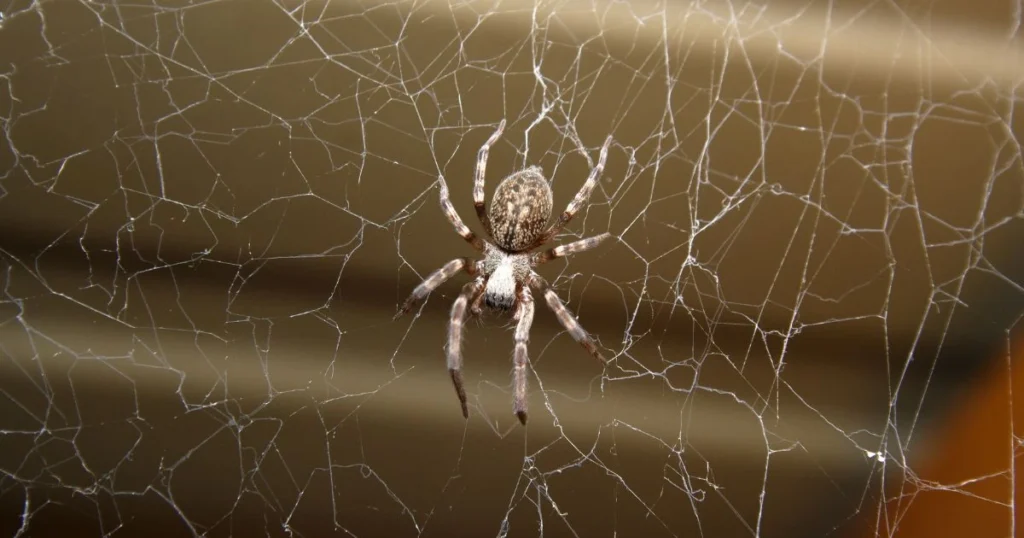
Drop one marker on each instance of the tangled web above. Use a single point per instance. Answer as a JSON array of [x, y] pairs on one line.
[[210, 211]]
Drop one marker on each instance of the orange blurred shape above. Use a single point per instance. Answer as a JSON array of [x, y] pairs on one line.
[[972, 484]]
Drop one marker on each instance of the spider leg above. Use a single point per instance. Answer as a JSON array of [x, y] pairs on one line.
[[478, 185], [458, 319], [565, 317], [474, 307], [563, 251], [581, 197], [521, 359], [435, 279], [453, 217]]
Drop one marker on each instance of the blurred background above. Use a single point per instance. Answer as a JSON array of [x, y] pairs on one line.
[[811, 300]]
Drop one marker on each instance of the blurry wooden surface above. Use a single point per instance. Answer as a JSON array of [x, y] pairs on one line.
[[974, 477]]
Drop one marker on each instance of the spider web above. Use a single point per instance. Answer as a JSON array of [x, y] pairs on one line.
[[212, 209]]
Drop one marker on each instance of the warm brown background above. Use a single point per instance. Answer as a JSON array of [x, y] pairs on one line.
[[210, 213]]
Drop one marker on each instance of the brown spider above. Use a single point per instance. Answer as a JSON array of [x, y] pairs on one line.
[[504, 277]]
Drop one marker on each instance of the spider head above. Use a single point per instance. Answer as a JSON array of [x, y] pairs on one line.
[[500, 293], [520, 208]]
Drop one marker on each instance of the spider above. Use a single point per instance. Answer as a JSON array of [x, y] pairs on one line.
[[504, 277]]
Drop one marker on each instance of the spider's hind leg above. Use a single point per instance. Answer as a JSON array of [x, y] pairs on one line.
[[581, 198], [478, 183]]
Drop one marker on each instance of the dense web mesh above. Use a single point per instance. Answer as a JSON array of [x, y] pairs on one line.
[[210, 211]]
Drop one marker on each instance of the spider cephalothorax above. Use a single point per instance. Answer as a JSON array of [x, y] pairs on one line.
[[517, 223]]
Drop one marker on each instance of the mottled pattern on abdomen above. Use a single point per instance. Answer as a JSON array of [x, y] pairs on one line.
[[520, 209]]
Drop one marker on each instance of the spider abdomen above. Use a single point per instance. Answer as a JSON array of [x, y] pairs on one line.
[[520, 209]]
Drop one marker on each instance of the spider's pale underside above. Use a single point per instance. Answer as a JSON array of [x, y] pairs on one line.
[[516, 223]]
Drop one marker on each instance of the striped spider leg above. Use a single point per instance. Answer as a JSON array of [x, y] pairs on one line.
[[563, 251], [478, 183], [520, 358], [577, 202], [455, 325], [565, 317], [451, 268]]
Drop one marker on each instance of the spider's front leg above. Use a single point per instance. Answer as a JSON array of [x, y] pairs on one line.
[[458, 320], [475, 307], [521, 359], [435, 279], [565, 317]]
